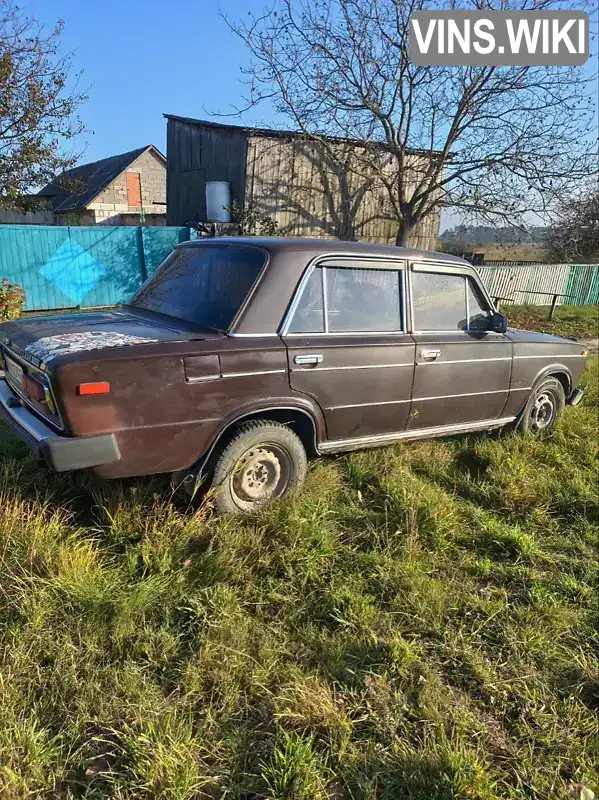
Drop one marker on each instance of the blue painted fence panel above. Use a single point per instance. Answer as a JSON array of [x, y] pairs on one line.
[[71, 267]]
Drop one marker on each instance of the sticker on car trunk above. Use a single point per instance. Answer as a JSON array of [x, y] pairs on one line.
[[50, 347]]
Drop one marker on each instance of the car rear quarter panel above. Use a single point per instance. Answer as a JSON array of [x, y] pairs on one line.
[[166, 416]]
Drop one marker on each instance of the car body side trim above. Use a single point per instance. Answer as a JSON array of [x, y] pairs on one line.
[[464, 361], [347, 333], [553, 356], [359, 366], [419, 399], [419, 433], [251, 335], [364, 405], [251, 374], [463, 394]]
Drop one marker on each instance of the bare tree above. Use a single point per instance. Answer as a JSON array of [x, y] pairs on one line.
[[498, 143], [37, 108], [574, 236]]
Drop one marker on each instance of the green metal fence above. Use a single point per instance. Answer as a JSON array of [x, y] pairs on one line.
[[75, 267], [583, 285], [535, 283]]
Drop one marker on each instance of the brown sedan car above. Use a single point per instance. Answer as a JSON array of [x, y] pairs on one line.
[[240, 356]]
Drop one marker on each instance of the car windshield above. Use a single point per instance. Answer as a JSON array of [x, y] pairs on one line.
[[202, 285]]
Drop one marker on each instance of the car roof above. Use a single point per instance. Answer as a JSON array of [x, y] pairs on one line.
[[274, 244]]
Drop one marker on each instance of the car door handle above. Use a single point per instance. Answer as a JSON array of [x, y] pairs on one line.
[[429, 355], [308, 360]]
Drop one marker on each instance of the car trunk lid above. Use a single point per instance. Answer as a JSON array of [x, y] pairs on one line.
[[41, 340]]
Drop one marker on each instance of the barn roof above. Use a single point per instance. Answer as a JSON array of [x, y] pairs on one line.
[[276, 133], [76, 188]]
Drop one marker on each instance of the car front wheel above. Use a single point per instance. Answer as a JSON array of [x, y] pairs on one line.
[[544, 407], [263, 461]]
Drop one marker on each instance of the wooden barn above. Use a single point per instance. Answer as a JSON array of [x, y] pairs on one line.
[[283, 175]]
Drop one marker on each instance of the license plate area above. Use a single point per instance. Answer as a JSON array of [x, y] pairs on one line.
[[14, 372], [15, 376]]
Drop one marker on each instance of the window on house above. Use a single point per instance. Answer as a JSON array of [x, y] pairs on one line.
[[133, 189]]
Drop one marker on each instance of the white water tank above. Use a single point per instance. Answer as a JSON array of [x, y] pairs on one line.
[[218, 201]]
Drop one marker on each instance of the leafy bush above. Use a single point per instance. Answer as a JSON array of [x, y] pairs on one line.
[[12, 300], [254, 222]]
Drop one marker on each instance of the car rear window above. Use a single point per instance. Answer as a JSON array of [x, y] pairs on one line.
[[202, 285]]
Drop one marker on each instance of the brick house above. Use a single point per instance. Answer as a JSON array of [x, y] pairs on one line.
[[126, 189]]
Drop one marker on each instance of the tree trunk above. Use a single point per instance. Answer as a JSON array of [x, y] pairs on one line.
[[404, 229]]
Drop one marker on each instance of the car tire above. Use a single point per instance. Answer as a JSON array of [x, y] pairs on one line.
[[543, 408], [261, 462]]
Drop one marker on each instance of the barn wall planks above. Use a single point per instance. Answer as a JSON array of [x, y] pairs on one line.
[[198, 155], [308, 187], [311, 191]]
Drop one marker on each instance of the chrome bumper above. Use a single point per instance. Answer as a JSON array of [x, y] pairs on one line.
[[575, 397], [61, 453]]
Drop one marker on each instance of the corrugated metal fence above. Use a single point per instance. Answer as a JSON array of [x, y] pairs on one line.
[[519, 282], [71, 267]]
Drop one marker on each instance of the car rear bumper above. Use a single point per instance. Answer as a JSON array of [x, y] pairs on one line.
[[61, 453]]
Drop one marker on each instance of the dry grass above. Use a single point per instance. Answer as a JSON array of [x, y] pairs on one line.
[[420, 622]]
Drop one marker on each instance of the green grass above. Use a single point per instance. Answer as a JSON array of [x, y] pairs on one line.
[[578, 322], [420, 622]]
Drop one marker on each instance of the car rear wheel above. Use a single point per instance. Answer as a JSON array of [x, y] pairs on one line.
[[262, 462], [544, 407]]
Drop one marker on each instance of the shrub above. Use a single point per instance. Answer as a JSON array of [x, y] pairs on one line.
[[12, 300]]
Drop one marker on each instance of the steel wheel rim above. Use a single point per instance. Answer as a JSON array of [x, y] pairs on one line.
[[261, 474], [542, 413]]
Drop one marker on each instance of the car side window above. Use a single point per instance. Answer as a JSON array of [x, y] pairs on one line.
[[358, 300], [309, 313], [363, 299], [439, 301], [479, 314]]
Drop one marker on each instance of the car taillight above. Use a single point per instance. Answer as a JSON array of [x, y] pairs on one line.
[[34, 389], [39, 392]]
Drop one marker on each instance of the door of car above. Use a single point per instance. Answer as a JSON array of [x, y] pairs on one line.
[[462, 368], [348, 346]]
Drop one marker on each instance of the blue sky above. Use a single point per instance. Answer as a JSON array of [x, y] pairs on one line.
[[143, 59]]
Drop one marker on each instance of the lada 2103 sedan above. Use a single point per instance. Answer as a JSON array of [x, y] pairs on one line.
[[240, 356]]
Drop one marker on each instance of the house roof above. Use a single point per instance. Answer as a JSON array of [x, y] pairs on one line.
[[274, 133], [76, 188]]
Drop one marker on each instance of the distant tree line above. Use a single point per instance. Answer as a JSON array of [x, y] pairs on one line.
[[488, 234], [573, 237]]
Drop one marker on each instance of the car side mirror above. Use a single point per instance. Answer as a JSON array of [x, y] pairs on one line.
[[499, 322]]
